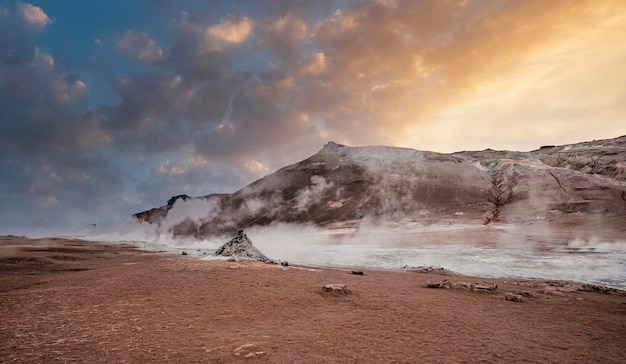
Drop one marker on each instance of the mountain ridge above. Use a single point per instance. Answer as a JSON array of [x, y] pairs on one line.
[[553, 185]]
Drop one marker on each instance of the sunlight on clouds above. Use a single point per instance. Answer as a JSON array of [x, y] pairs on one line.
[[167, 168], [229, 31], [314, 65], [197, 161], [44, 58], [256, 167], [288, 28], [64, 90], [560, 92], [33, 15]]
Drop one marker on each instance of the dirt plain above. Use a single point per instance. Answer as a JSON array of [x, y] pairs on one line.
[[65, 301]]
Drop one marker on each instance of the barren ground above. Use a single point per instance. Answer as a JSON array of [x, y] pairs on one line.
[[73, 301]]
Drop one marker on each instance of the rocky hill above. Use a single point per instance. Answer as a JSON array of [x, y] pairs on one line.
[[554, 186]]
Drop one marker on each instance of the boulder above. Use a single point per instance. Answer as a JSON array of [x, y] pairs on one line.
[[336, 288], [240, 247], [513, 297]]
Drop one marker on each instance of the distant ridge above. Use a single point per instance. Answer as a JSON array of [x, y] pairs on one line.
[[553, 185]]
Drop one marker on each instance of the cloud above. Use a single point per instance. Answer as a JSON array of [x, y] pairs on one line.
[[313, 66], [140, 46], [287, 29], [214, 101], [228, 31], [351, 81], [65, 90], [167, 168], [53, 173], [256, 167], [34, 16], [283, 35]]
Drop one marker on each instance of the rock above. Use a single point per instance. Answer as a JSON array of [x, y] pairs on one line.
[[249, 350], [484, 287], [444, 284], [426, 269], [357, 272], [336, 288], [513, 297], [525, 294], [589, 287], [551, 292], [240, 247], [284, 264], [184, 253], [256, 353]]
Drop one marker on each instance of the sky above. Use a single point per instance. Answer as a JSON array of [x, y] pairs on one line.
[[108, 108]]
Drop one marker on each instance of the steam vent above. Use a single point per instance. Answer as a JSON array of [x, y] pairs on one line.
[[240, 247]]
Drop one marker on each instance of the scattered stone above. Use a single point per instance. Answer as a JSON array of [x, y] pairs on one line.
[[588, 287], [484, 287], [256, 353], [248, 350], [184, 253], [556, 283], [550, 292], [426, 269], [357, 272], [513, 297], [284, 263], [336, 288], [444, 284]]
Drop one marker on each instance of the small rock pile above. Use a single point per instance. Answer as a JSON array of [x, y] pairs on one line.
[[241, 247]]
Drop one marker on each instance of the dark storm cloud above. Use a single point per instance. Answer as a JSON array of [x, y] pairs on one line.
[[35, 93], [228, 107], [50, 171]]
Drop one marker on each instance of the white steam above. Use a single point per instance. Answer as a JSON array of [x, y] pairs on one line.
[[312, 194], [598, 245]]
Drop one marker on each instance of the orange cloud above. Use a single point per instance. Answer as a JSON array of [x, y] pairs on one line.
[[229, 31], [34, 16], [427, 74]]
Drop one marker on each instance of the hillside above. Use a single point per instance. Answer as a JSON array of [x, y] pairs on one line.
[[552, 187]]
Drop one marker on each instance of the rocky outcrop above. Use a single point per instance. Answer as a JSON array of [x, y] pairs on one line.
[[241, 247]]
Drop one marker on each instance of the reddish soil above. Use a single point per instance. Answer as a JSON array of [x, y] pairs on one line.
[[72, 301]]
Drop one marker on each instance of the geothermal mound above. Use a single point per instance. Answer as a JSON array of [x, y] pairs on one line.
[[240, 247]]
